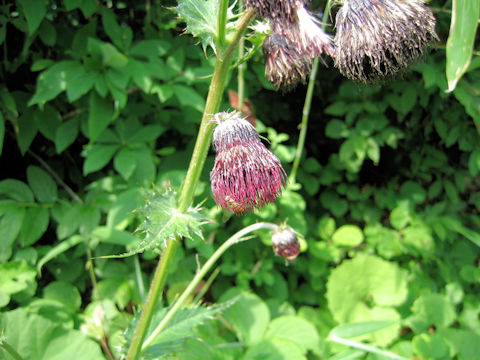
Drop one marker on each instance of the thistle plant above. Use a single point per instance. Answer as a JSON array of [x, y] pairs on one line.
[[247, 175]]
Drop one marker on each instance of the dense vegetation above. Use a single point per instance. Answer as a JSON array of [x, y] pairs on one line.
[[101, 103]]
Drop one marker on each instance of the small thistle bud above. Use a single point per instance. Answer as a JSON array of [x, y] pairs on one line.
[[246, 175], [285, 244], [378, 38]]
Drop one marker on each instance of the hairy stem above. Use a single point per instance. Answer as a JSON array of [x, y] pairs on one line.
[[195, 168], [241, 67], [238, 237], [307, 105], [10, 350]]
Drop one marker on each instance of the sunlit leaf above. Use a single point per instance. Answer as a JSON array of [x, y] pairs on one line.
[[465, 14]]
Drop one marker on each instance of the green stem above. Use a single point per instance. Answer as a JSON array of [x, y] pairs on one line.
[[9, 349], [241, 67], [238, 237], [222, 22], [307, 105], [195, 168]]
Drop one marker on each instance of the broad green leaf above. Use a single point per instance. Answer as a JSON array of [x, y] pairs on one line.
[[42, 184], [431, 310], [163, 221], [65, 293], [34, 11], [400, 216], [101, 114], [146, 133], [274, 349], [413, 191], [125, 162], [66, 134], [47, 33], [54, 80], [35, 337], [465, 344], [98, 157], [15, 276], [27, 130], [10, 225], [187, 96], [34, 225], [150, 48], [348, 235], [120, 212], [336, 129], [249, 317], [465, 15], [16, 190], [431, 346], [382, 282], [59, 249], [120, 35], [67, 214], [295, 329], [456, 226], [48, 120]]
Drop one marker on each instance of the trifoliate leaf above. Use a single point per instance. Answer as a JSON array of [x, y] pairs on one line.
[[163, 221]]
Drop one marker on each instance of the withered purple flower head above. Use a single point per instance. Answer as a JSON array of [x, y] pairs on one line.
[[290, 49], [246, 175], [285, 243], [378, 38], [285, 64], [273, 9]]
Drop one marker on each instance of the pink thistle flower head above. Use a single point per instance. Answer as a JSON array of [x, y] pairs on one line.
[[285, 243], [246, 175], [378, 38]]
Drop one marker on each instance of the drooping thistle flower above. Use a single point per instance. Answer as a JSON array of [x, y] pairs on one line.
[[285, 243], [290, 49], [378, 38], [246, 175], [271, 9]]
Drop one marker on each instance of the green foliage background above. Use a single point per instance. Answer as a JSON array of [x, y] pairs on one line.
[[100, 104]]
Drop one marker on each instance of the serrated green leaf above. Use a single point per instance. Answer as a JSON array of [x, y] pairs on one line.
[[461, 39], [162, 221], [201, 19]]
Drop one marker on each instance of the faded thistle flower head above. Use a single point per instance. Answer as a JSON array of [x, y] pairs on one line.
[[271, 9], [290, 49], [246, 175], [378, 38], [285, 243]]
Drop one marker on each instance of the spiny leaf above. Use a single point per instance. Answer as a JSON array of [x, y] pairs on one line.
[[180, 327], [163, 221], [201, 19]]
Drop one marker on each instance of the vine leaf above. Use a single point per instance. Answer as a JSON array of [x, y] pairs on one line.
[[201, 19], [163, 221]]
